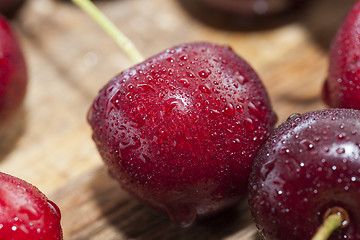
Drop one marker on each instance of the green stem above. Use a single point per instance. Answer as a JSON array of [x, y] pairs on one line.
[[330, 224], [124, 42]]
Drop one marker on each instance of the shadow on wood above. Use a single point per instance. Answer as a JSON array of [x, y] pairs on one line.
[[11, 133], [120, 216]]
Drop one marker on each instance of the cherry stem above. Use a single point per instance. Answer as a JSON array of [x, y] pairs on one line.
[[125, 43], [331, 223]]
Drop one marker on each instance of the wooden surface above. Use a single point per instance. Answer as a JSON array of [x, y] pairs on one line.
[[70, 58]]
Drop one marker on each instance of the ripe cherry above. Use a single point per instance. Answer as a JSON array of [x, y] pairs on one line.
[[342, 86], [26, 213], [13, 74], [307, 170], [180, 130]]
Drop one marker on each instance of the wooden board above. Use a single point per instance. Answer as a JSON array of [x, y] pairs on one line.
[[70, 58]]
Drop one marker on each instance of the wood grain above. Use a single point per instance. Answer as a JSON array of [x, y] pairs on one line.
[[70, 58]]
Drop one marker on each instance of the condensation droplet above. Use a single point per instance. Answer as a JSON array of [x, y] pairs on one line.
[[184, 57], [190, 74], [204, 89], [204, 73], [249, 124], [253, 110], [185, 82], [341, 136], [293, 116], [229, 110], [240, 108], [55, 209], [266, 169], [145, 87], [309, 144], [340, 150]]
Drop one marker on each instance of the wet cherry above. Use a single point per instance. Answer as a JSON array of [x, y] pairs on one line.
[[307, 169], [342, 86], [13, 74], [26, 213], [181, 129]]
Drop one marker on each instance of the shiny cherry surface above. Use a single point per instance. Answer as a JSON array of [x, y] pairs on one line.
[[309, 164], [342, 86], [180, 130], [26, 213], [13, 74]]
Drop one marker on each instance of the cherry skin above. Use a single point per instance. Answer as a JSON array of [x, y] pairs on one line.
[[26, 213], [181, 129], [342, 86], [13, 75], [254, 7], [10, 7], [310, 164]]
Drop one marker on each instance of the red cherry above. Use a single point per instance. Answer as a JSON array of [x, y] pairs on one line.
[[342, 86], [13, 74], [181, 129], [308, 168], [26, 213]]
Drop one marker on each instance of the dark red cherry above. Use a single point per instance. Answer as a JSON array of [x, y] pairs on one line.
[[26, 213], [181, 129], [13, 74], [308, 167], [342, 86]]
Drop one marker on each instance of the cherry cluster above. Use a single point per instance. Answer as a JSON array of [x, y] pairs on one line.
[[191, 131]]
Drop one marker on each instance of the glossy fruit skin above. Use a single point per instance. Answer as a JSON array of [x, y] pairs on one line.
[[26, 213], [9, 8], [180, 130], [309, 164], [13, 74], [342, 86], [254, 7]]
